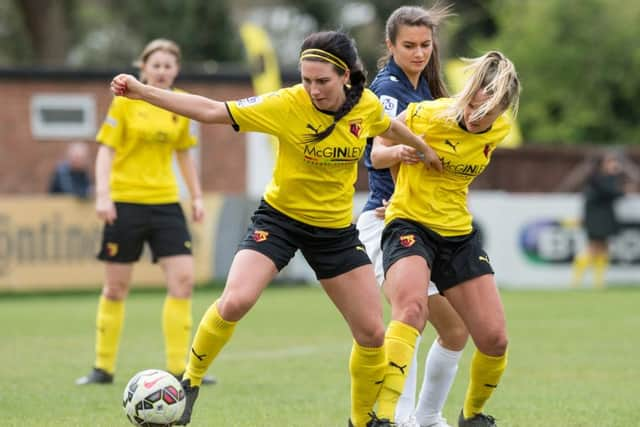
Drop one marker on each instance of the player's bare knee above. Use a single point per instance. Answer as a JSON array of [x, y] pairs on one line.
[[233, 307], [181, 286], [115, 290], [413, 313], [370, 335], [454, 337], [493, 344]]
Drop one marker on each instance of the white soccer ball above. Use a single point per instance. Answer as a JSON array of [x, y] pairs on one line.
[[153, 398]]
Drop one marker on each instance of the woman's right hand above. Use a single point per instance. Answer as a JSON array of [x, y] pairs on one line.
[[106, 209], [127, 85], [406, 154]]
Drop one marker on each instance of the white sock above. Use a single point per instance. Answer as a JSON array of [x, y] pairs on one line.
[[441, 366], [407, 400]]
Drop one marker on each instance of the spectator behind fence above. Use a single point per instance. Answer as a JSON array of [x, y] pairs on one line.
[[72, 175]]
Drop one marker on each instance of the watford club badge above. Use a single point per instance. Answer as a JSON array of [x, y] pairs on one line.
[[112, 249], [355, 128], [408, 240], [260, 236]]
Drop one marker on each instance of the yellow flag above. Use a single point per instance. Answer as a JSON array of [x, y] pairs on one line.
[[263, 61], [454, 71]]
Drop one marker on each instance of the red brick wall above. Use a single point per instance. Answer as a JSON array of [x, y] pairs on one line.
[[26, 163]]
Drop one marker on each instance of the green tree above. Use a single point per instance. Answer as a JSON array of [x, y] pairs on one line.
[[575, 59], [202, 28]]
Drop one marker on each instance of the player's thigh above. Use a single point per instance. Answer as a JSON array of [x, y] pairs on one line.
[[117, 280], [249, 275], [370, 229], [479, 305], [447, 323], [179, 274], [357, 297]]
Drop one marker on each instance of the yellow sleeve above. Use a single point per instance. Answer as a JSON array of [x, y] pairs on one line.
[[112, 130], [264, 113], [382, 123], [188, 136]]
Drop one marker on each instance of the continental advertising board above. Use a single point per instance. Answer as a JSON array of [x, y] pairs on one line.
[[533, 238], [51, 243]]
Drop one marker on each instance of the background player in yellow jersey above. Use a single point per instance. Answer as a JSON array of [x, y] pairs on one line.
[[137, 198], [410, 72], [429, 234], [322, 126]]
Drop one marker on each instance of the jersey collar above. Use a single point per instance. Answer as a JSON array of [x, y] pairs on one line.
[[423, 86]]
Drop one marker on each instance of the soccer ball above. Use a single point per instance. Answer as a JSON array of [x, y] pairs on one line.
[[153, 398]]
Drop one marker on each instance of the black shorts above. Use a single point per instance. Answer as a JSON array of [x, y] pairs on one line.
[[163, 227], [329, 251], [452, 260]]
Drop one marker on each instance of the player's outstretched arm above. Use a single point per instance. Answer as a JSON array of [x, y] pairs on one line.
[[398, 133], [195, 107]]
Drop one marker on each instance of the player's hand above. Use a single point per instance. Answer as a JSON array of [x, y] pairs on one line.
[[380, 211], [408, 155], [431, 159], [126, 85], [197, 209], [106, 209]]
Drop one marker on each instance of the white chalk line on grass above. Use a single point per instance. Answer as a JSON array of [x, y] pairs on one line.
[[296, 351]]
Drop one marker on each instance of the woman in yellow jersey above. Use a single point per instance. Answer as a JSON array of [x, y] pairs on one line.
[[322, 126], [410, 72], [137, 198], [429, 235]]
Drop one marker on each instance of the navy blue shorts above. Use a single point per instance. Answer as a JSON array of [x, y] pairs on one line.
[[329, 251]]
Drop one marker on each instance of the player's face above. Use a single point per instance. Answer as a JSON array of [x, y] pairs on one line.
[[323, 84], [161, 69], [485, 122], [412, 49]]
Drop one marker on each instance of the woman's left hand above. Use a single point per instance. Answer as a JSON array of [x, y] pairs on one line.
[[430, 159], [197, 209]]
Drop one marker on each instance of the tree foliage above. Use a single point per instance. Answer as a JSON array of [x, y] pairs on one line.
[[576, 60], [202, 28]]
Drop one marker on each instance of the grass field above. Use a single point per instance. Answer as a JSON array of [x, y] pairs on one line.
[[573, 361]]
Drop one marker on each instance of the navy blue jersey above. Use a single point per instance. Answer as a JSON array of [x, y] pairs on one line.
[[395, 91]]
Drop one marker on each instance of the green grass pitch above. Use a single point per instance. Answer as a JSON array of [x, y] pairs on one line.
[[573, 361]]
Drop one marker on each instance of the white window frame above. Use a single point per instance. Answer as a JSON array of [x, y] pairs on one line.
[[41, 129]]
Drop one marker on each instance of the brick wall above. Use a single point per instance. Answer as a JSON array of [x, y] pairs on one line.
[[26, 163]]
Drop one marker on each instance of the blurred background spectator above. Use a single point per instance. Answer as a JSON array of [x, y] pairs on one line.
[[72, 175], [604, 178]]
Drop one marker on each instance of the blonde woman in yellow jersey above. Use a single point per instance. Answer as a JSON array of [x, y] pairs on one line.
[[429, 236], [137, 198], [322, 126]]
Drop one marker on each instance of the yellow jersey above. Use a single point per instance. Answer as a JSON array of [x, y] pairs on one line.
[[144, 138], [313, 182], [438, 200]]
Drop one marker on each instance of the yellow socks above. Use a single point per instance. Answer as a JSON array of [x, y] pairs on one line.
[[367, 367], [176, 327], [484, 378], [580, 265], [400, 341], [600, 264], [109, 321], [212, 334]]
